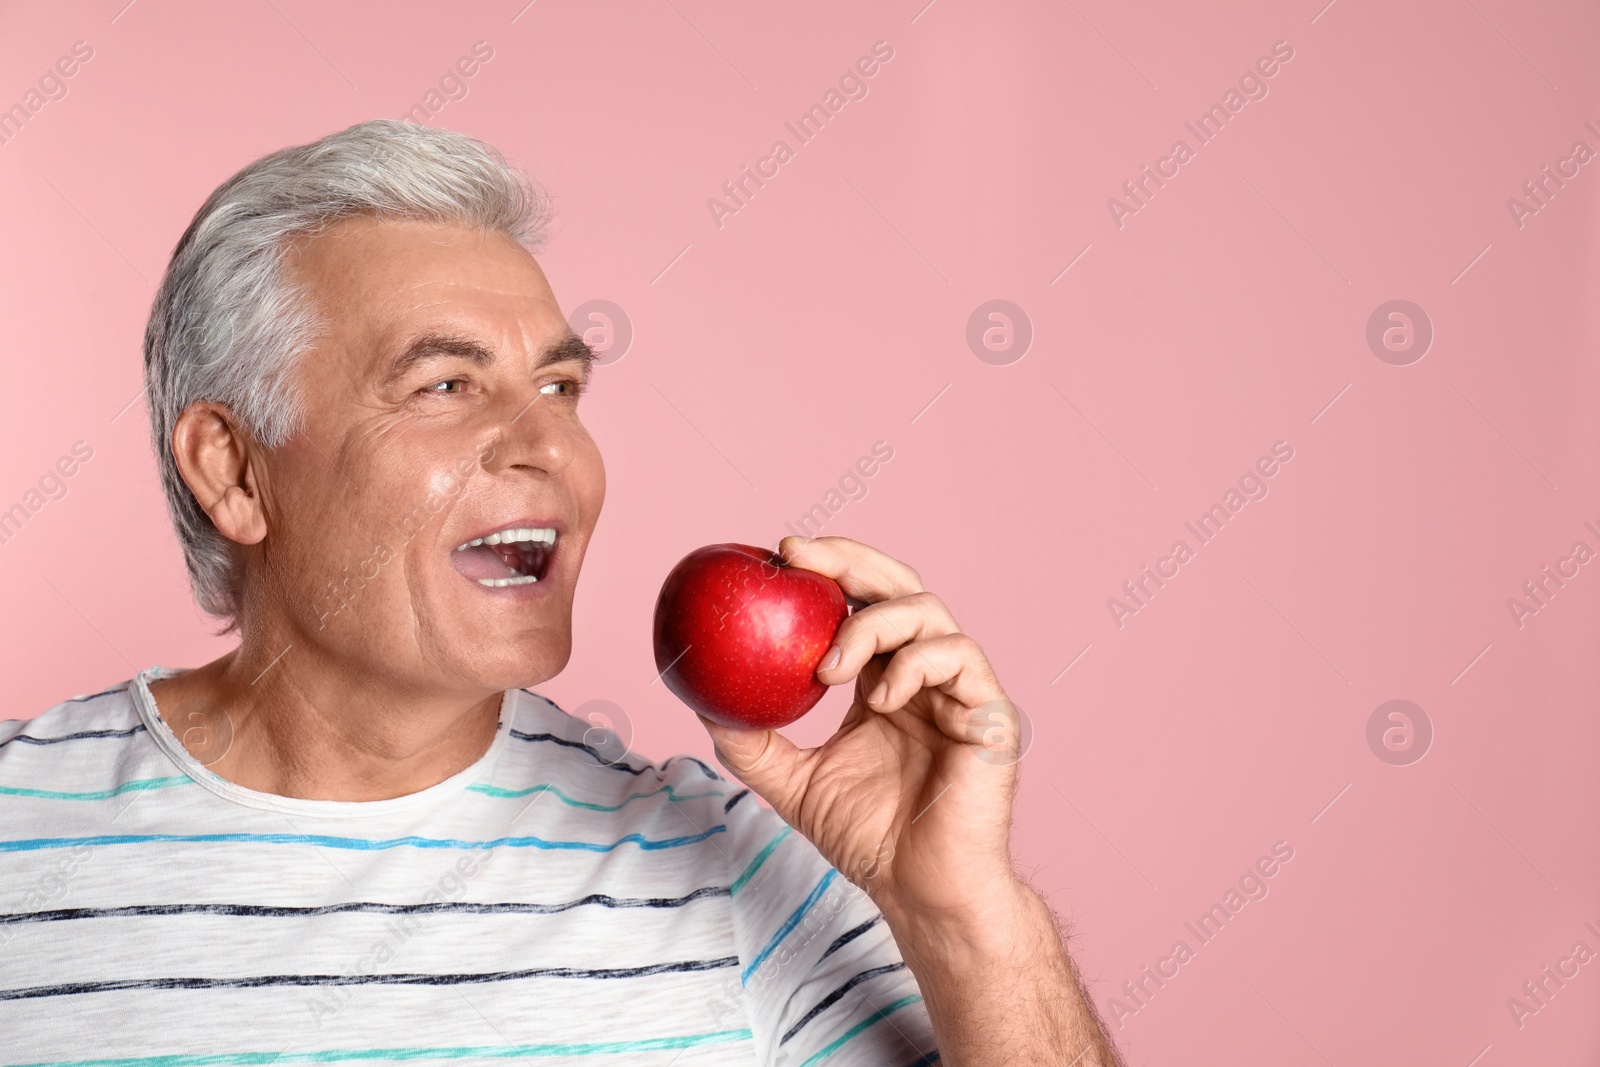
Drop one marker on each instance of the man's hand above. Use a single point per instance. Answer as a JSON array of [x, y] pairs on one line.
[[911, 800]]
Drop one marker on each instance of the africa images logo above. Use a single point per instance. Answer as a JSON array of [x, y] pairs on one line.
[[852, 85], [1253, 485], [1252, 85]]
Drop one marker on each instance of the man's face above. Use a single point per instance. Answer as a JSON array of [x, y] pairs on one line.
[[441, 409]]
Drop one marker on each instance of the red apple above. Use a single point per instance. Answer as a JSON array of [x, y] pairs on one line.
[[739, 635]]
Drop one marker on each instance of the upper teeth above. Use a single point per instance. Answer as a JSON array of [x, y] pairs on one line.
[[512, 536]]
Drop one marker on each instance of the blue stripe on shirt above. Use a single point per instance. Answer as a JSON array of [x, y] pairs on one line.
[[789, 924], [882, 1013], [457, 1052], [140, 784], [500, 791], [357, 843], [761, 857], [97, 794]]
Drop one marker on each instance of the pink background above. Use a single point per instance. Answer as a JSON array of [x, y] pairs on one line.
[[828, 312]]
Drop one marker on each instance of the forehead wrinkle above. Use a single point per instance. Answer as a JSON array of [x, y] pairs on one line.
[[457, 283]]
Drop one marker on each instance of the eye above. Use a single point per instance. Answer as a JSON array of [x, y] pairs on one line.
[[566, 386], [447, 387]]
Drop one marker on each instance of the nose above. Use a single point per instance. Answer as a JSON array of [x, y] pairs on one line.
[[532, 435]]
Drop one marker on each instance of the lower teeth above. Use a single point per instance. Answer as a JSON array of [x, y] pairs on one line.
[[501, 583]]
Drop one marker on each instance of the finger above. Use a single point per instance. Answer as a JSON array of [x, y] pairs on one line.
[[861, 570], [884, 627], [766, 761], [953, 664]]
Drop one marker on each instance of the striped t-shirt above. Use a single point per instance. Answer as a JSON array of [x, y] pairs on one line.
[[547, 904]]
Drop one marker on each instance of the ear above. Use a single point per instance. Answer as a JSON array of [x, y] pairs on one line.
[[219, 464]]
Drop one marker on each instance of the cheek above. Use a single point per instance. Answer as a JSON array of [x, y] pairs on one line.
[[586, 478], [373, 521], [408, 477], [309, 501], [594, 487], [444, 484], [415, 509]]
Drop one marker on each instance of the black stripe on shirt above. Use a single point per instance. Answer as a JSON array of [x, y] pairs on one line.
[[925, 1061], [849, 936], [265, 980], [590, 749], [120, 687], [740, 795], [833, 998], [28, 739], [707, 771], [462, 907]]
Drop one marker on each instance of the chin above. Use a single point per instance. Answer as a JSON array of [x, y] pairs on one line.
[[496, 638], [521, 664]]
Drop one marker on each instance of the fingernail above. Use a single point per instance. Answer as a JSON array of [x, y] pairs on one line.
[[877, 695], [831, 661]]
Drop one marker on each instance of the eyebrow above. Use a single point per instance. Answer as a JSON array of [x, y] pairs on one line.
[[569, 349]]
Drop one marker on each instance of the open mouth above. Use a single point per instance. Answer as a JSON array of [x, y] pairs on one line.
[[514, 556]]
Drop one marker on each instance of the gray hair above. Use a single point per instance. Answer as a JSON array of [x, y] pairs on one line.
[[228, 325]]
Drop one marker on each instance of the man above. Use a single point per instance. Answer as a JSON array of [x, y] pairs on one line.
[[357, 836]]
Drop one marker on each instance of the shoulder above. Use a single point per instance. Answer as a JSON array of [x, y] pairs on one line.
[[772, 870], [596, 741], [588, 763], [90, 747], [108, 715]]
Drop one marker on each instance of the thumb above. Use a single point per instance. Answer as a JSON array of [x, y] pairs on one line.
[[766, 761]]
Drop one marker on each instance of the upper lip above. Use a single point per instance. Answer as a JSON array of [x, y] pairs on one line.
[[557, 525]]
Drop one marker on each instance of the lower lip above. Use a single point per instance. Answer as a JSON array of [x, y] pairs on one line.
[[526, 591]]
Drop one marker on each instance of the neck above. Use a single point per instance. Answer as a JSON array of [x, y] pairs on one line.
[[307, 728]]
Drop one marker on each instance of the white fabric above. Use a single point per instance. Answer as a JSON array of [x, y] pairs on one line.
[[153, 914]]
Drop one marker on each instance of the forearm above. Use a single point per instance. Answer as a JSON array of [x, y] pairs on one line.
[[1000, 987]]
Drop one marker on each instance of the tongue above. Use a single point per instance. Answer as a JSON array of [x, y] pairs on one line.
[[486, 561]]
